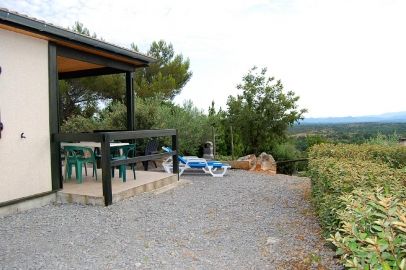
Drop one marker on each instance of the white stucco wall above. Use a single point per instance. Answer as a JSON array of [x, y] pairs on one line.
[[25, 165]]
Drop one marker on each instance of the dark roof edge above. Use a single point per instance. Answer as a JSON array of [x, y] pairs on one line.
[[49, 29]]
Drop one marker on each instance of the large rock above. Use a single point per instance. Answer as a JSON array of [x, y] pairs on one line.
[[240, 164], [265, 162], [252, 160]]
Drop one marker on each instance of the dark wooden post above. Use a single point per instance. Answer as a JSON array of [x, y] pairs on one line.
[[129, 94], [106, 170], [175, 157], [214, 141], [56, 171], [232, 142]]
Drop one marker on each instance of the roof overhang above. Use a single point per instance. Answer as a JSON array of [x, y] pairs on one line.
[[69, 60]]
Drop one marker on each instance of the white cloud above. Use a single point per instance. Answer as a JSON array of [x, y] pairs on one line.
[[342, 57]]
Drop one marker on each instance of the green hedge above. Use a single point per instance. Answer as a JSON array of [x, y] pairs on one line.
[[394, 156], [373, 231], [339, 171]]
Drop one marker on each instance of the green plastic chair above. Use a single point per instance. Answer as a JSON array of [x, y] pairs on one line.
[[120, 153], [78, 156]]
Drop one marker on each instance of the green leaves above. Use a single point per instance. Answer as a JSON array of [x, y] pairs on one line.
[[164, 78], [394, 156], [377, 243], [364, 194], [192, 125], [167, 76], [263, 112]]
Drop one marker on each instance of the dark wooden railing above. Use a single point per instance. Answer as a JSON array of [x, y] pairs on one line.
[[292, 160], [105, 138]]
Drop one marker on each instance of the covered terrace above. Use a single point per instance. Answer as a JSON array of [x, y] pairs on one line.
[[66, 62], [72, 55], [70, 63]]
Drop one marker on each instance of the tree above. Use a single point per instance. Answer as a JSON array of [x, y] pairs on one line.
[[165, 77], [263, 112], [218, 121], [78, 27], [191, 123], [82, 96]]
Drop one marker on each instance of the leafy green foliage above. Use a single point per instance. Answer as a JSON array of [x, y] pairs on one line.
[[344, 177], [78, 27], [167, 76], [152, 113], [82, 96], [286, 151], [191, 123], [222, 129], [79, 123], [257, 119], [164, 78], [302, 143], [147, 111], [372, 234], [263, 112], [393, 156], [114, 116], [111, 117], [381, 139], [334, 172]]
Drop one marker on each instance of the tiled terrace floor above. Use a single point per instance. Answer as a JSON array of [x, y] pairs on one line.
[[91, 191]]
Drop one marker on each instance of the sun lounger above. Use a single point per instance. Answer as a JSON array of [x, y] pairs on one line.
[[215, 168]]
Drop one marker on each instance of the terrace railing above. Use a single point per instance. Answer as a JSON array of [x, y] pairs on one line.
[[105, 138]]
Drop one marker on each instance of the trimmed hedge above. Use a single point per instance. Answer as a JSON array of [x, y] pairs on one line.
[[373, 232], [393, 156], [339, 171]]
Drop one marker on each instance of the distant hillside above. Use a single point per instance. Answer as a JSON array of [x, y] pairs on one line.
[[396, 117], [348, 132]]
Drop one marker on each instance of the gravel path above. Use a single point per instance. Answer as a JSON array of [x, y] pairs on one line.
[[242, 221]]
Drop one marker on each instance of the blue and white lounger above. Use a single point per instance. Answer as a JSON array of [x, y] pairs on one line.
[[215, 168]]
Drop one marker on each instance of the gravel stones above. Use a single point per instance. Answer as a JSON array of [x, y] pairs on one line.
[[243, 220]]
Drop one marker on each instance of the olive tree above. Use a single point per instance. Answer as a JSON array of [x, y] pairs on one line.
[[263, 112]]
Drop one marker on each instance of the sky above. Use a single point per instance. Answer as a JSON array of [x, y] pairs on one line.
[[342, 57]]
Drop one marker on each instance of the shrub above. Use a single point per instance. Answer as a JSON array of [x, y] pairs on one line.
[[344, 179], [382, 139], [332, 178], [372, 234], [394, 156], [79, 123], [191, 123], [151, 113], [146, 112], [286, 151], [114, 116]]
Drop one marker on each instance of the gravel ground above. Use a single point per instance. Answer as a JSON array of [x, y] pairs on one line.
[[242, 221]]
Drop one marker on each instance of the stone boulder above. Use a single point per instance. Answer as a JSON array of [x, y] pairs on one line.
[[265, 162], [244, 163], [251, 159]]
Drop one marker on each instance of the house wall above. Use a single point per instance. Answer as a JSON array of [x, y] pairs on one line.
[[25, 165]]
